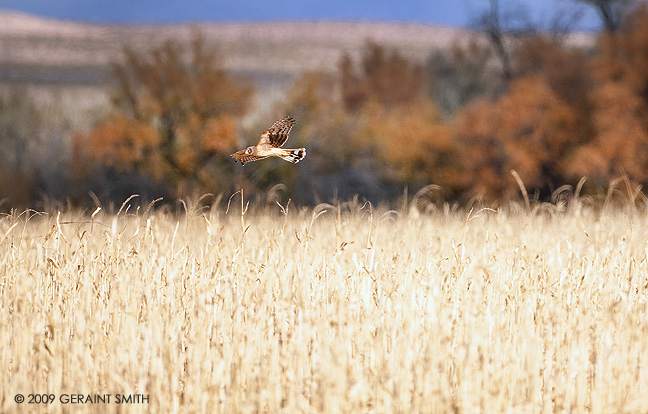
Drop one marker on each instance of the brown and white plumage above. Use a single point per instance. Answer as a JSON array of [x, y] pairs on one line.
[[270, 145]]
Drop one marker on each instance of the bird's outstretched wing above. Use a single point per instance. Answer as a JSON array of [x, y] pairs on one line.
[[277, 134], [243, 157]]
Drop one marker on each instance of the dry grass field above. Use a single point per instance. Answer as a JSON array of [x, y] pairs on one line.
[[337, 309]]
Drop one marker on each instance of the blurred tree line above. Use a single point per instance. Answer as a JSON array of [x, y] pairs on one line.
[[523, 100], [172, 126]]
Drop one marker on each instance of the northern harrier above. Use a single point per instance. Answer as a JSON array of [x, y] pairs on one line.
[[270, 145]]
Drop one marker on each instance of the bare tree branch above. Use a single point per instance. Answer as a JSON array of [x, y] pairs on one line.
[[613, 12], [502, 27]]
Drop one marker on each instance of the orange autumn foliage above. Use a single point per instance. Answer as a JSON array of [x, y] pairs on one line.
[[376, 123], [529, 129], [413, 143], [563, 69], [174, 119], [619, 106], [621, 141], [383, 76]]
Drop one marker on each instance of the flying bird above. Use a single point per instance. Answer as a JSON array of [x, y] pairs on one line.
[[270, 145]]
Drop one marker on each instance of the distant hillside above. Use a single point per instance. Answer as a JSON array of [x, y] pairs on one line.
[[50, 52], [287, 47]]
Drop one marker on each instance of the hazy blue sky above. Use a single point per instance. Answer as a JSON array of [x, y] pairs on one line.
[[457, 12]]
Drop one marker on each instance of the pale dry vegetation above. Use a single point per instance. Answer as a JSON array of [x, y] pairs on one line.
[[341, 309]]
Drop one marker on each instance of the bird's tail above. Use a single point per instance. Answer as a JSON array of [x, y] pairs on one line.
[[294, 155]]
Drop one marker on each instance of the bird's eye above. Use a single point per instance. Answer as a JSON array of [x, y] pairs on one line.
[[248, 151]]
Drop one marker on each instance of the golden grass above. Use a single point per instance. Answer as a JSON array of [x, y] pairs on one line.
[[343, 309]]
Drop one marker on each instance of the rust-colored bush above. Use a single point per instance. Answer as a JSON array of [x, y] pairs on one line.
[[374, 125], [619, 106], [529, 129], [367, 134], [174, 119], [413, 144], [384, 76], [564, 69]]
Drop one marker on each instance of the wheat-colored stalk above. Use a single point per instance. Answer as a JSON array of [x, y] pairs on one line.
[[345, 308]]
